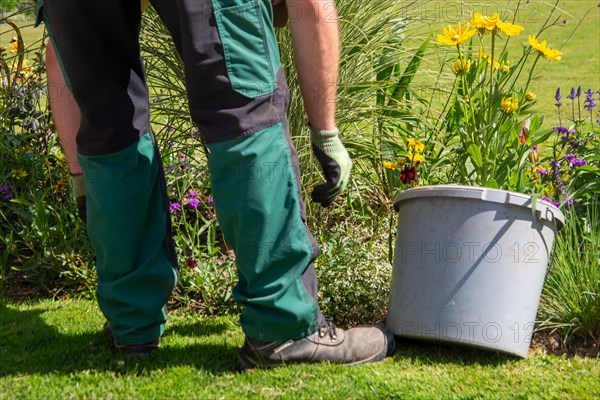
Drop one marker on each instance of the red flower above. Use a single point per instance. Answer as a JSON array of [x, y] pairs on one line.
[[408, 174], [523, 134], [191, 263]]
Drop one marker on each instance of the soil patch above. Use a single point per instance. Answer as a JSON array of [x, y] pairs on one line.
[[555, 344]]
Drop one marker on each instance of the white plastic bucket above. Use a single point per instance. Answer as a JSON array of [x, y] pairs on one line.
[[469, 266]]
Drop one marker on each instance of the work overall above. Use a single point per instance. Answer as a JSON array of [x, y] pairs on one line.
[[238, 96]]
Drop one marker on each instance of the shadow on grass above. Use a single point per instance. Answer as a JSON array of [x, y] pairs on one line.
[[446, 353], [29, 345]]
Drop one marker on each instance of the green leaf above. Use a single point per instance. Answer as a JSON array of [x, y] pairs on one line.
[[475, 154], [534, 199], [491, 183], [409, 72], [541, 138]]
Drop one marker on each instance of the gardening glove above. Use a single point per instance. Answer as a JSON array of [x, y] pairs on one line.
[[78, 184], [335, 162]]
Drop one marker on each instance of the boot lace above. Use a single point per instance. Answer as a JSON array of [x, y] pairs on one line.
[[328, 328]]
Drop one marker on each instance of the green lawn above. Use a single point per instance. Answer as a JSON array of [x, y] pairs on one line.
[[56, 350], [577, 35]]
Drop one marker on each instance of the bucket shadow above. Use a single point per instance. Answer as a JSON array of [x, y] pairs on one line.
[[429, 352], [29, 345]]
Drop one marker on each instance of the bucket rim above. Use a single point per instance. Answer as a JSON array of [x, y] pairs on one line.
[[544, 209]]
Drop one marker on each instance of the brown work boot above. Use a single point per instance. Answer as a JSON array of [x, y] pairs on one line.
[[351, 347], [133, 351]]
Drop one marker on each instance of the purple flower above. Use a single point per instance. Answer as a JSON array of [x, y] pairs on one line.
[[175, 206], [196, 133], [568, 200], [579, 91], [192, 195], [182, 156], [211, 200], [575, 144], [542, 171], [557, 97], [560, 129], [556, 172], [534, 148], [590, 102], [566, 132], [569, 157], [578, 162], [171, 129], [6, 188], [193, 202], [549, 200], [572, 94]]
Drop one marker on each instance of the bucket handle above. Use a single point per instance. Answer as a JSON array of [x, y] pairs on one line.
[[549, 216]]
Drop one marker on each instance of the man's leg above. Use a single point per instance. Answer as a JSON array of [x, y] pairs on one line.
[[128, 217], [238, 96]]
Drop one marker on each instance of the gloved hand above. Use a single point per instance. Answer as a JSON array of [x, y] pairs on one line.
[[335, 162], [78, 183]]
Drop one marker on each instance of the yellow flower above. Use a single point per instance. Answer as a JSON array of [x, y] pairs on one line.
[[455, 36], [18, 173], [509, 105], [505, 68], [390, 165], [418, 146], [485, 24], [509, 29], [530, 96], [495, 63], [25, 72], [461, 67], [14, 45], [415, 157], [542, 48]]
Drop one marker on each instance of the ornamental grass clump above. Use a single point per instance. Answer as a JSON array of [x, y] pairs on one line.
[[488, 128]]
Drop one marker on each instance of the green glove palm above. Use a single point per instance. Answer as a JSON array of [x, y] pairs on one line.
[[335, 162]]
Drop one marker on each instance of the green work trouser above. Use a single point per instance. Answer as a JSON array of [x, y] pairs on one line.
[[238, 97]]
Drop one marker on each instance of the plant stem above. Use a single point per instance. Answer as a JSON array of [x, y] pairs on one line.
[[492, 75], [531, 73]]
